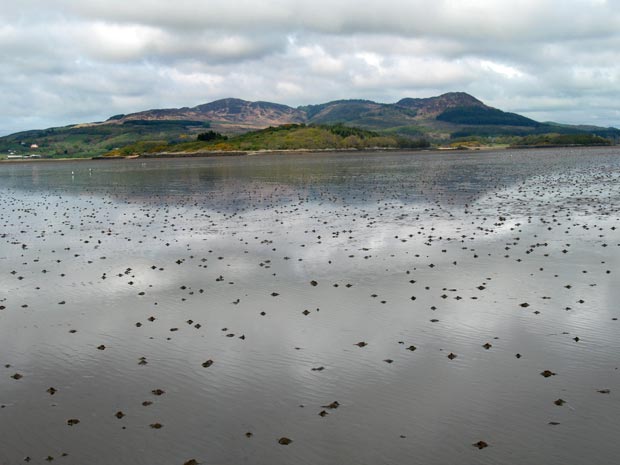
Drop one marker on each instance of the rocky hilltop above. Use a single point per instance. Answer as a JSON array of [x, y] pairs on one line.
[[233, 111], [227, 111], [433, 106]]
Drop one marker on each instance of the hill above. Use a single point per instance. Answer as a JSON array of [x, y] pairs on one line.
[[285, 137], [89, 140], [236, 113], [451, 117]]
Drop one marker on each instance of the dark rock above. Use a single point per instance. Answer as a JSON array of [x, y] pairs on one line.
[[334, 405]]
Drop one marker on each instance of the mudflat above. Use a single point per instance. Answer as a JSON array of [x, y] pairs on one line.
[[312, 309]]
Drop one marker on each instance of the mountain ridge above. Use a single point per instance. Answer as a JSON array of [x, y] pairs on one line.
[[438, 116], [440, 119], [236, 110]]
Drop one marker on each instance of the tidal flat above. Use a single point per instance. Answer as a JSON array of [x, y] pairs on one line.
[[383, 308]]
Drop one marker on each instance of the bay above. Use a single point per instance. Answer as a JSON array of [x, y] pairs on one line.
[[119, 278]]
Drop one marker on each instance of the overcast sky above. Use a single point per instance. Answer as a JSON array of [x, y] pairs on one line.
[[69, 61]]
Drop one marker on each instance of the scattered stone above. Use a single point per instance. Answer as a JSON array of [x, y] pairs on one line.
[[334, 405]]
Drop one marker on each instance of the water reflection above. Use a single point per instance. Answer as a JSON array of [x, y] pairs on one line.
[[177, 262]]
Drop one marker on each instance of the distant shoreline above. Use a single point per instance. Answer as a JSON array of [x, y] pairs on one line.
[[220, 153], [244, 153], [45, 160]]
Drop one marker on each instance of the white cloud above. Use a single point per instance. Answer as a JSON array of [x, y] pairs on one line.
[[412, 72], [289, 89], [320, 61], [501, 69]]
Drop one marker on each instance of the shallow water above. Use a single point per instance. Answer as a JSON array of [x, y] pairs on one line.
[[436, 251]]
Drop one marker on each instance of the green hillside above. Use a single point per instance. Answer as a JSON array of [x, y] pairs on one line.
[[485, 116], [285, 137], [550, 140], [95, 140]]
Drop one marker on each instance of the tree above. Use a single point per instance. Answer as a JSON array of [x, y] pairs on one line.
[[210, 136]]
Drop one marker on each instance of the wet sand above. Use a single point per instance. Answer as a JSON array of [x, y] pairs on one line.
[[312, 309]]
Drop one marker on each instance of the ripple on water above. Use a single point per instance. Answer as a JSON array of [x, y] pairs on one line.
[[163, 265]]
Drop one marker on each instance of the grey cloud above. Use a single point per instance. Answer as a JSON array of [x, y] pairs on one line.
[[66, 61], [509, 20]]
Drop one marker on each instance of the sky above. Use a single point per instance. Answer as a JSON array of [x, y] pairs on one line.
[[71, 61]]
